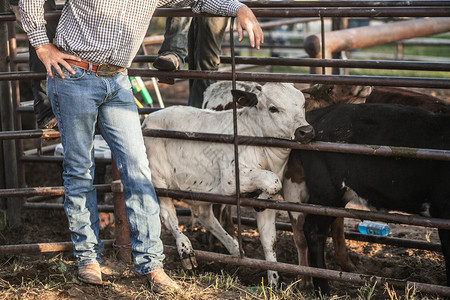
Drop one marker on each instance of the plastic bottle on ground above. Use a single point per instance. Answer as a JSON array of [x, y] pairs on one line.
[[373, 228]]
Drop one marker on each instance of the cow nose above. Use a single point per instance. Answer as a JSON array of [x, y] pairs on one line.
[[304, 134]]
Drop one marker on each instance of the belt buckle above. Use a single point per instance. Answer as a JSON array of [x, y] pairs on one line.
[[107, 70]]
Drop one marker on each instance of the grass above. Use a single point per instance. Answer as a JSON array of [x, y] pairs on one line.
[[410, 50], [54, 278]]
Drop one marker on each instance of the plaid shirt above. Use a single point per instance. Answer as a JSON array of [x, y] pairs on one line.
[[107, 31]]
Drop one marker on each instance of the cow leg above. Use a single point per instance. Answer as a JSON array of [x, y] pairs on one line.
[[169, 218], [296, 191], [227, 220], [208, 220], [340, 248], [297, 222], [223, 215], [316, 230], [444, 235], [268, 234]]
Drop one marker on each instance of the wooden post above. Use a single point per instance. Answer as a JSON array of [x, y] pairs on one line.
[[122, 233], [366, 36]]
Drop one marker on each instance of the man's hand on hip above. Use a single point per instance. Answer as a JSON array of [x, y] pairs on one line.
[[246, 20], [51, 56]]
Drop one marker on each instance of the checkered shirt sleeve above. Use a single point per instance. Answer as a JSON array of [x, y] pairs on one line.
[[107, 31]]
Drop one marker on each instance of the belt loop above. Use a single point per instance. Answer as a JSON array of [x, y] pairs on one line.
[[90, 68]]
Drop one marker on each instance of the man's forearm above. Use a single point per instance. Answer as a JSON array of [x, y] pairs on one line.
[[33, 21]]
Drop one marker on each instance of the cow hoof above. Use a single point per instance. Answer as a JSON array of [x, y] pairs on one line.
[[305, 284], [189, 262]]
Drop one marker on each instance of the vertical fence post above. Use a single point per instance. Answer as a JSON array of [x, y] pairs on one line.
[[122, 233], [7, 112], [338, 24], [16, 100]]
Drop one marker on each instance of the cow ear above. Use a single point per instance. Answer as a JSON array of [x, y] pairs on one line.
[[309, 90], [244, 98]]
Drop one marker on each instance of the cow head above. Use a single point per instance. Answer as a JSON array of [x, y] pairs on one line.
[[323, 95], [277, 108], [283, 107]]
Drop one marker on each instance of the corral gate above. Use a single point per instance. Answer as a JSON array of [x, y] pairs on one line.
[[12, 180]]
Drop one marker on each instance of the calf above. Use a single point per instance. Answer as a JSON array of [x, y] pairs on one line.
[[403, 96], [404, 184], [323, 95], [209, 167], [316, 96]]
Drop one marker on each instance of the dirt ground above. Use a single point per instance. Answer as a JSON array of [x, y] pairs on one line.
[[53, 275]]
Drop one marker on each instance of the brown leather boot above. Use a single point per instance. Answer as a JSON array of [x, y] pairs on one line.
[[168, 62], [160, 282], [90, 274]]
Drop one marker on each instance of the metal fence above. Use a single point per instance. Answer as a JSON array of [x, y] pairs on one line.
[[12, 178]]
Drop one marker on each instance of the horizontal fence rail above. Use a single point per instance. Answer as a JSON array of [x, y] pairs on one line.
[[250, 202], [439, 9], [399, 242], [297, 62], [378, 150], [347, 3], [269, 77]]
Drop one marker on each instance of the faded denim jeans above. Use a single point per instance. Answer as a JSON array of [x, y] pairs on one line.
[[80, 102], [202, 38]]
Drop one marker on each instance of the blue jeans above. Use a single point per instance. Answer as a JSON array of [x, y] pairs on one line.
[[205, 47], [80, 102], [176, 37], [202, 38]]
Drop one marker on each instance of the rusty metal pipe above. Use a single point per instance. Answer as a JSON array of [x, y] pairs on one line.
[[347, 3], [310, 209], [43, 247], [53, 159], [350, 235], [47, 191], [340, 63], [311, 62], [314, 62], [442, 10], [287, 206], [300, 78], [378, 150], [315, 146], [406, 243], [60, 206], [273, 77], [290, 12], [355, 278], [351, 12]]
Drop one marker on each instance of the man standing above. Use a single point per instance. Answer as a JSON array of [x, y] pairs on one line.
[[88, 85]]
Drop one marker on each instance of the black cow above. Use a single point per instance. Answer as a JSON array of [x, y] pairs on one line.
[[403, 184]]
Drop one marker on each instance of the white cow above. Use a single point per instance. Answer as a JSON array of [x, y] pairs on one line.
[[209, 167], [294, 189]]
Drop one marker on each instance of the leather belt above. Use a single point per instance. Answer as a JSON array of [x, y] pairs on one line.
[[101, 70]]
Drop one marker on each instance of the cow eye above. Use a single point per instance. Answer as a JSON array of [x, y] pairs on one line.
[[330, 90], [273, 109]]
